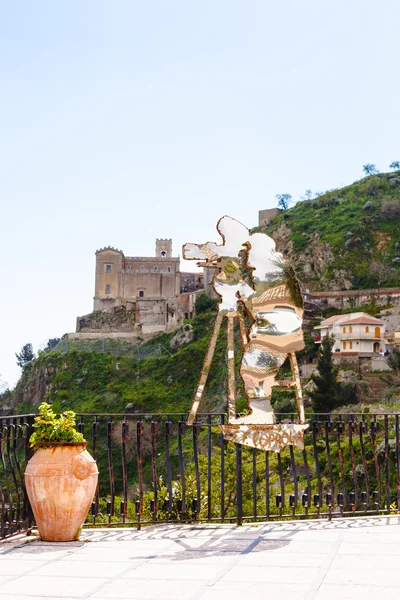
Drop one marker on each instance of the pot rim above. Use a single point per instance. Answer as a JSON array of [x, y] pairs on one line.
[[59, 444]]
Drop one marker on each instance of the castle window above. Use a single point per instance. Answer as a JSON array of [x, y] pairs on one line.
[[156, 269], [129, 268], [108, 268], [169, 269], [163, 254], [141, 293], [142, 268], [108, 289]]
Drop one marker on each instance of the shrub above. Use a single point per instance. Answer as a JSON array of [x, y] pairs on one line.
[[50, 428]]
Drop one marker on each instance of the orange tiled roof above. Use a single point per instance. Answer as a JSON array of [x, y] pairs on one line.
[[332, 319], [363, 320]]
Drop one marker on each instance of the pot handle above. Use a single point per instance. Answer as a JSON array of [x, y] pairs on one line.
[[81, 467]]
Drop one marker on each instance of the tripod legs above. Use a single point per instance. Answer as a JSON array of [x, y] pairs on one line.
[[262, 412], [297, 387], [205, 370]]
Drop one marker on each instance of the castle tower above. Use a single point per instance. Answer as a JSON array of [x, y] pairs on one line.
[[109, 265], [163, 248]]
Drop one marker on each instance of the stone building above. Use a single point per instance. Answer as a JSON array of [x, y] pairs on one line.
[[139, 296], [356, 334], [266, 215], [122, 279]]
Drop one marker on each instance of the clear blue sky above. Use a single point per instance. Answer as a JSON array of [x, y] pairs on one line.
[[123, 121]]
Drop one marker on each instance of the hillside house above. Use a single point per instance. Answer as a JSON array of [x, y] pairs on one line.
[[356, 334]]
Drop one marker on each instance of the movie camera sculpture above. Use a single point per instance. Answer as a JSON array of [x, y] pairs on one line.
[[252, 278]]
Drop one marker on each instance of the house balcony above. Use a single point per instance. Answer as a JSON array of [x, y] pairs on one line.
[[358, 336]]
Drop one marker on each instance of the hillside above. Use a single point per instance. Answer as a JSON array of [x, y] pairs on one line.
[[91, 381], [98, 382], [346, 238]]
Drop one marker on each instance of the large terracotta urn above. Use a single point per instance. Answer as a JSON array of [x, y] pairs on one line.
[[61, 480]]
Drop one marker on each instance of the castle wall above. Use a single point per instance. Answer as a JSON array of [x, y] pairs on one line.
[[147, 288], [265, 216], [153, 285]]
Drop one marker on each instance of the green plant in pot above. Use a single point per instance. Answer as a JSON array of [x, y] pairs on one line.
[[61, 477]]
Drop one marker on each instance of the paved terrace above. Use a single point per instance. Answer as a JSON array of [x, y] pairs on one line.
[[342, 559]]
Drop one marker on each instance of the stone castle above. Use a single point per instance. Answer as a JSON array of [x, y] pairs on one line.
[[139, 296]]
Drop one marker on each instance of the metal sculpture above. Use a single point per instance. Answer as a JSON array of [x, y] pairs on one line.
[[252, 278]]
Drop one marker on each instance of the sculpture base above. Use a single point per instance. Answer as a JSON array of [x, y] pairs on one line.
[[266, 437]]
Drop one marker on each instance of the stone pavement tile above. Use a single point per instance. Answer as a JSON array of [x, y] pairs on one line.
[[143, 544], [369, 537], [366, 561], [63, 587], [281, 559], [11, 566], [314, 536], [148, 590], [369, 548], [271, 574], [177, 571], [329, 591], [83, 569], [363, 576], [34, 553], [18, 597], [109, 557], [195, 558], [122, 553], [255, 591], [302, 547]]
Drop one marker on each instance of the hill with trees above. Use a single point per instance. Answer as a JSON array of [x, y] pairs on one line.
[[346, 238]]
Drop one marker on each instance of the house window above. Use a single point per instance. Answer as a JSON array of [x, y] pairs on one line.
[[141, 293], [108, 289], [344, 329], [344, 345], [367, 329], [108, 268], [351, 345], [377, 332], [350, 329]]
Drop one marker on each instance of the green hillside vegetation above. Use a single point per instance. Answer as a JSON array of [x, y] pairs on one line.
[[346, 237], [97, 382]]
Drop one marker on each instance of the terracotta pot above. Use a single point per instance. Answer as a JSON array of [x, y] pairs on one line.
[[61, 482]]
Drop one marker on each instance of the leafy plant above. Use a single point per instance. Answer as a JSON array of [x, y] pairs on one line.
[[52, 428]]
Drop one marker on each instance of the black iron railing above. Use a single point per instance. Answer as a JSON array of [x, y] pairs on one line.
[[16, 513], [153, 468]]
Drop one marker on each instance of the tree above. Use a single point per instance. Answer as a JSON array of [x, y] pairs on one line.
[[370, 169], [284, 200], [51, 343], [308, 194], [325, 395], [205, 303], [380, 271], [395, 165], [25, 356]]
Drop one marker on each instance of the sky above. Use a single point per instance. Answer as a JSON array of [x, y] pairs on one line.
[[122, 121]]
